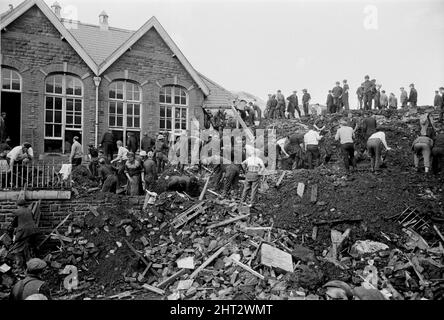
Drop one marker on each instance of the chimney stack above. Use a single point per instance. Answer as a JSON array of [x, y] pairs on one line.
[[57, 8], [103, 21]]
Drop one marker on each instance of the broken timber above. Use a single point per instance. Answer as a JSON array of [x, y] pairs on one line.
[[300, 190], [184, 217], [228, 221], [247, 130], [349, 220], [54, 230], [172, 278], [244, 266], [278, 183], [207, 262], [202, 194], [153, 289]]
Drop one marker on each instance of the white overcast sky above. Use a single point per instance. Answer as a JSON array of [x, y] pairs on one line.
[[261, 46]]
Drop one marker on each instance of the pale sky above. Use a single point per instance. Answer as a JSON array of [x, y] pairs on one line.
[[261, 46]]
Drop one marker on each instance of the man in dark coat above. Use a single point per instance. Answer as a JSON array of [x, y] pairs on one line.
[[108, 143], [3, 132], [280, 104], [330, 103], [360, 94], [441, 114], [273, 107], [32, 284], [131, 142], [345, 88], [147, 143], [413, 96], [403, 98], [108, 176], [368, 93], [337, 96], [377, 96], [293, 104], [305, 101], [26, 235]]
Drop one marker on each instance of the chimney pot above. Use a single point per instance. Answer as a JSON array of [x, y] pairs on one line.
[[57, 8], [103, 21]]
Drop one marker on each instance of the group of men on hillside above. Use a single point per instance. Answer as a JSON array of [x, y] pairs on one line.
[[279, 107]]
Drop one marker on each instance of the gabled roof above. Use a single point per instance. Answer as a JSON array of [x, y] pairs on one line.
[[13, 14], [218, 96], [99, 44], [154, 23], [101, 49]]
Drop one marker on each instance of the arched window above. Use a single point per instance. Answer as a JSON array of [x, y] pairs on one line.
[[63, 112], [124, 109], [11, 80], [173, 109]]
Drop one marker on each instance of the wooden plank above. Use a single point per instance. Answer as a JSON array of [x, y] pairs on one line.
[[185, 219], [145, 202], [228, 221], [278, 183], [244, 266], [172, 278], [300, 190], [207, 262], [54, 230], [273, 257], [314, 193], [136, 252], [61, 237], [153, 289], [202, 194], [94, 211], [36, 213], [347, 220]]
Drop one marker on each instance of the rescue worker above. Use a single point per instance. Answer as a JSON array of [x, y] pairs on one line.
[[20, 154], [305, 101], [345, 135], [368, 92], [393, 101], [131, 142], [122, 156], [438, 152], [161, 151], [383, 100], [360, 94], [107, 143], [377, 96], [257, 112], [280, 104], [422, 147], [294, 149], [108, 176], [150, 171], [26, 235], [413, 96], [134, 173], [337, 96], [426, 123], [32, 284], [76, 152], [147, 143], [293, 105], [311, 142], [267, 114], [441, 113], [231, 178], [368, 126], [330, 103], [253, 166], [186, 184], [346, 89], [437, 102], [93, 155], [403, 98], [374, 148]]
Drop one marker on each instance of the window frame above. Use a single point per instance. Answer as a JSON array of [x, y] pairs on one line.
[[126, 100], [174, 107], [11, 72], [64, 96]]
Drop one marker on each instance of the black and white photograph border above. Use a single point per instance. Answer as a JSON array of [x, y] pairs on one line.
[[239, 151]]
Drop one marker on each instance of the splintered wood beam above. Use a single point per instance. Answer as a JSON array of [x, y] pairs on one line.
[[228, 221], [207, 262], [202, 194]]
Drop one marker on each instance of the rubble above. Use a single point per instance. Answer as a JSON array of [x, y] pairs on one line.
[[338, 240]]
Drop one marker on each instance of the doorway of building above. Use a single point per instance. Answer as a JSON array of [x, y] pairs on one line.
[[11, 105]]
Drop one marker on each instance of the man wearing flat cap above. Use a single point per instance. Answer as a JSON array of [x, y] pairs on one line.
[[413, 96], [32, 285], [367, 93], [26, 235], [161, 151]]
